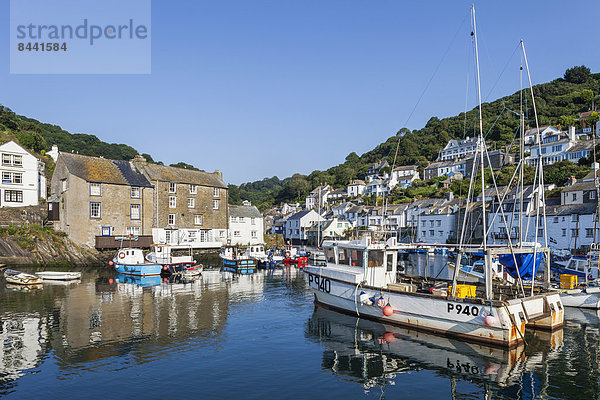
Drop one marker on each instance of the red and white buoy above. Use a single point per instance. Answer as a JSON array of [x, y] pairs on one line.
[[388, 310]]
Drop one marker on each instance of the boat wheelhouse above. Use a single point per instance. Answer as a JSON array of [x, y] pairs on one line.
[[360, 278]]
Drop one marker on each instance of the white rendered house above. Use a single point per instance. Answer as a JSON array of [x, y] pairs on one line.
[[23, 177], [246, 225]]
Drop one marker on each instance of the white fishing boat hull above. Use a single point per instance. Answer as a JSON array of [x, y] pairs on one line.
[[457, 318], [581, 299], [59, 276]]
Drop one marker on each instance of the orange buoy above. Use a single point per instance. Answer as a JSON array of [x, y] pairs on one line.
[[110, 262], [388, 310], [490, 320]]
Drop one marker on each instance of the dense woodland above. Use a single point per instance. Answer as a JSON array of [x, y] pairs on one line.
[[558, 103]]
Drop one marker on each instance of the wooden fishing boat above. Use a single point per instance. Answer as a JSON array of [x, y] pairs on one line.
[[235, 262], [21, 278], [59, 276]]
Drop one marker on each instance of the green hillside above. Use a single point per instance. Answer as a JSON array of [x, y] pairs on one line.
[[558, 103]]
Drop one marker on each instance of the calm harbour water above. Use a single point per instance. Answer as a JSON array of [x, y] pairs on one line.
[[257, 337]]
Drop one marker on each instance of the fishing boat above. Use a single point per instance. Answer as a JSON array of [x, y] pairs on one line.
[[59, 276], [477, 271], [172, 258], [261, 256], [361, 278], [234, 261], [21, 278], [293, 256], [129, 261], [579, 265]]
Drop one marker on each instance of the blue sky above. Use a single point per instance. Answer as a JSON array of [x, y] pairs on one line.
[[262, 88]]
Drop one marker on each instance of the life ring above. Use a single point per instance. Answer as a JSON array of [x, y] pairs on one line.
[[122, 254], [287, 253]]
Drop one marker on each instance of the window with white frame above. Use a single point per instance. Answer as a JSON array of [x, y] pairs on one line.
[[63, 185], [135, 192], [95, 189], [167, 236], [192, 236], [135, 211], [171, 219], [95, 209], [13, 160], [216, 192], [233, 219], [589, 232], [253, 221], [191, 203], [236, 233], [198, 219], [172, 202], [592, 195], [172, 187], [12, 177], [253, 234], [241, 220], [13, 196], [204, 236], [105, 231], [134, 230], [193, 189], [216, 204]]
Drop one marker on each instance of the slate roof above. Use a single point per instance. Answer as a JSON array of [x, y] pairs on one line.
[[180, 175], [586, 208], [581, 145], [299, 214], [244, 211], [102, 170]]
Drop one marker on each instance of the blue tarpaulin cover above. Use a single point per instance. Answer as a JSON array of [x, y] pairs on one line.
[[525, 264]]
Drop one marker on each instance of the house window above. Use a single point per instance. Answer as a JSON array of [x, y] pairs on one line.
[[135, 192], [574, 217], [12, 160], [172, 201], [135, 211], [95, 189], [105, 231], [589, 232], [95, 209], [236, 233], [540, 232], [193, 189], [592, 195], [423, 233], [198, 219], [192, 236], [339, 225], [133, 230], [233, 219], [253, 234], [191, 203], [172, 187], [241, 220], [13, 196], [253, 221], [167, 236], [216, 192], [556, 220], [171, 219], [221, 233], [574, 196], [431, 232], [215, 204], [574, 232], [564, 232], [63, 185]]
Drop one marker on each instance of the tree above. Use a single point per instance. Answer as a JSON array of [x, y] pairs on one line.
[[567, 120], [586, 96], [181, 164], [579, 74]]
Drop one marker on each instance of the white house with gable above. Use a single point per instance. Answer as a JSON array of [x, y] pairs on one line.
[[296, 227], [246, 225], [23, 177]]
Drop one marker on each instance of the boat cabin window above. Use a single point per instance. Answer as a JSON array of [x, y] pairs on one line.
[[390, 262], [343, 255], [581, 266], [478, 267], [375, 258], [356, 257], [330, 254]]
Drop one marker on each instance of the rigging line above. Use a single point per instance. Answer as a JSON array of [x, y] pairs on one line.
[[491, 127], [503, 70]]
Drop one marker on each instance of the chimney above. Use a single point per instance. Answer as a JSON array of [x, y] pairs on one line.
[[572, 133], [572, 181], [218, 173], [595, 166]]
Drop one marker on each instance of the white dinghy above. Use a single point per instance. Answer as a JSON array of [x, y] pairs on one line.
[[58, 275]]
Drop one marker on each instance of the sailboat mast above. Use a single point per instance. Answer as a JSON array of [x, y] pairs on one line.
[[488, 266], [521, 184]]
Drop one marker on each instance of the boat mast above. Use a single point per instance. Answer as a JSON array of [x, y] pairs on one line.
[[521, 184], [488, 266]]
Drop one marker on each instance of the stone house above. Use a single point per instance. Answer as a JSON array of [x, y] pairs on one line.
[[23, 177], [189, 206], [100, 200], [245, 225]]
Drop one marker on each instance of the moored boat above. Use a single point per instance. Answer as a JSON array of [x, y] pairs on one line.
[[59, 276], [361, 278], [21, 278], [235, 262], [129, 261]]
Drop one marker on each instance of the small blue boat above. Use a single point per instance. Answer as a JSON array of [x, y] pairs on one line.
[[238, 264], [130, 261]]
